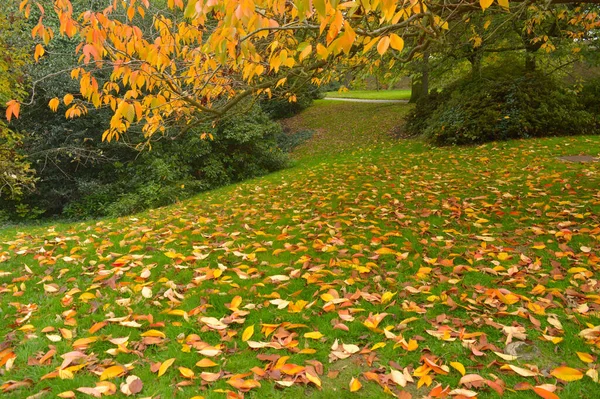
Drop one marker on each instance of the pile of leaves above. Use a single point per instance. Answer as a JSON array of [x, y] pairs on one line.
[[398, 269]]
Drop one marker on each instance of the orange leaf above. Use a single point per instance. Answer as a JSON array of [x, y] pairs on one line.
[[544, 393], [12, 108], [382, 47]]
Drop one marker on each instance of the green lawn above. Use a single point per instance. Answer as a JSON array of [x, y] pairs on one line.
[[371, 94], [372, 259]]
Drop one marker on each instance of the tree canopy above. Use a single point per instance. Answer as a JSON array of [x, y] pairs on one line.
[[165, 62]]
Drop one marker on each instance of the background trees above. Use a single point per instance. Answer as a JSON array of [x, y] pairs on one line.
[[16, 176], [111, 79]]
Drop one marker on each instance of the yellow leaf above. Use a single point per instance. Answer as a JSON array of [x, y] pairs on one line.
[[322, 51], [585, 357], [485, 3], [355, 385], [304, 53], [68, 99], [53, 104], [503, 256], [396, 42], [504, 4], [39, 51], [165, 366], [186, 373], [206, 363], [154, 333], [321, 7], [387, 296], [458, 366], [313, 335], [313, 378], [248, 332], [519, 370], [384, 250], [112, 372], [567, 373], [235, 302]]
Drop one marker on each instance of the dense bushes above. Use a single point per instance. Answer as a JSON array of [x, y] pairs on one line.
[[279, 107], [500, 105], [590, 99], [117, 180]]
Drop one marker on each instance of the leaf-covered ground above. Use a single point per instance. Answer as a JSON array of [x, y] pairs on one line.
[[387, 268]]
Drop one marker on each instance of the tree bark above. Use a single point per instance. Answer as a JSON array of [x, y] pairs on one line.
[[416, 89], [425, 78], [530, 61]]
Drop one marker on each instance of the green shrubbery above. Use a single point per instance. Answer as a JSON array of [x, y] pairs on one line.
[[279, 107], [590, 99], [118, 180], [500, 105]]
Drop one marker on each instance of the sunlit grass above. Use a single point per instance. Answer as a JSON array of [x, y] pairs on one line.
[[445, 214], [371, 94]]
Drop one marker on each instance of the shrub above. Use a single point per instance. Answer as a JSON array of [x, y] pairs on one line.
[[417, 118], [123, 181], [502, 105], [279, 107], [590, 99]]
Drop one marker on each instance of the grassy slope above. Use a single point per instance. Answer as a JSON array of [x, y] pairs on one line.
[[371, 94], [456, 225]]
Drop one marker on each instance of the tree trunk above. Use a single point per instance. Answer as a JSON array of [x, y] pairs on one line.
[[416, 89], [420, 80], [475, 59], [425, 78], [529, 61]]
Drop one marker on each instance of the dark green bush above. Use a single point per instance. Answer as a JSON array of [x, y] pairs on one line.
[[117, 180], [417, 118], [503, 105], [244, 146], [279, 107], [590, 98]]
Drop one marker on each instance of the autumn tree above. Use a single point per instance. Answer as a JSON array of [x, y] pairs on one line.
[[185, 62], [15, 173]]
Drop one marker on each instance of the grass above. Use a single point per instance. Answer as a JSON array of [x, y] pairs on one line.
[[371, 94], [362, 225]]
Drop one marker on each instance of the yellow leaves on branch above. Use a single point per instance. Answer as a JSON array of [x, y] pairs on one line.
[[485, 4]]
